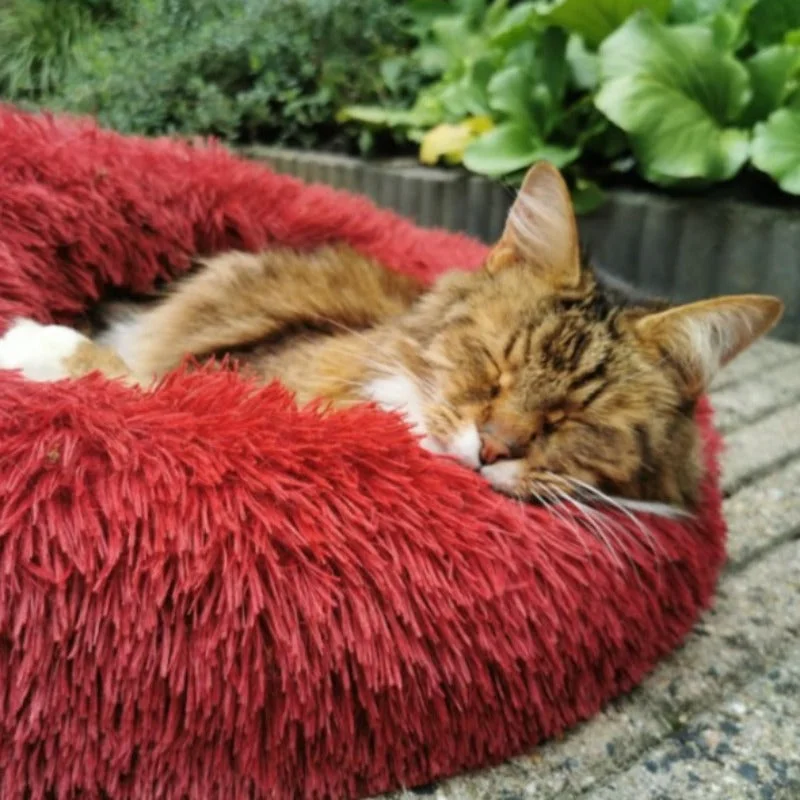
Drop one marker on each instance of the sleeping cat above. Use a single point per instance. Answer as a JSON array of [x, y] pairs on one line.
[[533, 370]]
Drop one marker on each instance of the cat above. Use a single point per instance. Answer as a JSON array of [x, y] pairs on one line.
[[534, 370]]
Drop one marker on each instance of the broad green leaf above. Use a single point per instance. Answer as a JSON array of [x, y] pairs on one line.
[[584, 65], [505, 149], [554, 68], [475, 10], [557, 155], [728, 31], [517, 24], [468, 96], [432, 59], [531, 88], [677, 97], [449, 141], [494, 14], [545, 112], [792, 38], [386, 117], [511, 147], [727, 19], [509, 93], [454, 35], [776, 148], [594, 20], [771, 20], [773, 77], [696, 10]]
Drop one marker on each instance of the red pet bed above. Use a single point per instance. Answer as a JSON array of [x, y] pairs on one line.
[[208, 593]]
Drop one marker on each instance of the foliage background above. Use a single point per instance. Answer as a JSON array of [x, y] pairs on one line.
[[678, 93], [246, 70]]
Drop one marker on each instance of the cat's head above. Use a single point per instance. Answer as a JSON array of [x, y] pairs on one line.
[[548, 382]]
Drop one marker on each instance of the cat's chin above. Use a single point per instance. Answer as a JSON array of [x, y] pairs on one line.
[[504, 475], [401, 394]]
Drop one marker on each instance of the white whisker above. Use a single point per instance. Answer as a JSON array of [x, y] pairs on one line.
[[565, 518], [609, 500], [603, 532]]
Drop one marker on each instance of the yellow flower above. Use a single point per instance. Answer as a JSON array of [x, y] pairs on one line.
[[449, 141]]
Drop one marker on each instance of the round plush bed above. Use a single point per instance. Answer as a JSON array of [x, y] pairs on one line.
[[206, 592]]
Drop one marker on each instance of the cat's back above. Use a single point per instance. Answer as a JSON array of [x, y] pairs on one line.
[[237, 302]]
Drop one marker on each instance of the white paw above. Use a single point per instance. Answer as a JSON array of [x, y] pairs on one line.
[[38, 351]]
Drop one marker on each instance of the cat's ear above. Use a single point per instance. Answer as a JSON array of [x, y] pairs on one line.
[[700, 338], [541, 231]]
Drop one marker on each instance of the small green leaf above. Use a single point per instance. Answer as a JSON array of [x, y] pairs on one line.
[[510, 93], [776, 148], [587, 196], [391, 70], [773, 77], [771, 20], [424, 12], [596, 19], [557, 155], [584, 65], [677, 97], [463, 98]]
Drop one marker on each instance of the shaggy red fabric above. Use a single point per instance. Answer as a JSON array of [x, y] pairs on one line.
[[208, 593]]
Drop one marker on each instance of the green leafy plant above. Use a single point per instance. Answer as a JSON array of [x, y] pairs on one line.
[[593, 22], [243, 70], [689, 91], [689, 95], [685, 92], [506, 94], [678, 97], [776, 148], [37, 40]]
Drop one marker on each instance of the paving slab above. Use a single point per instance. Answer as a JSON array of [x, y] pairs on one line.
[[754, 624], [755, 397], [764, 354], [754, 450], [763, 514], [747, 748]]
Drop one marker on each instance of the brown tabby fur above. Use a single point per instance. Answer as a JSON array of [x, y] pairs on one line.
[[579, 388]]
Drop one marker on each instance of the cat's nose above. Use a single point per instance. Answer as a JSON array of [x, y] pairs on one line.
[[493, 449]]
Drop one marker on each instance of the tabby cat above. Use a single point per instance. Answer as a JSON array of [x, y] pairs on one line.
[[533, 370]]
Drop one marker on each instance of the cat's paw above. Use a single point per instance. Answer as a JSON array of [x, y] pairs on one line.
[[40, 352]]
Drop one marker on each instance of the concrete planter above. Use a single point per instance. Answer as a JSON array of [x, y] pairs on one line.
[[679, 248]]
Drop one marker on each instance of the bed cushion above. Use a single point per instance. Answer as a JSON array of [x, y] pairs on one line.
[[206, 592]]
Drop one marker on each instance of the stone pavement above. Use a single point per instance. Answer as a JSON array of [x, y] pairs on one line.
[[720, 718]]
